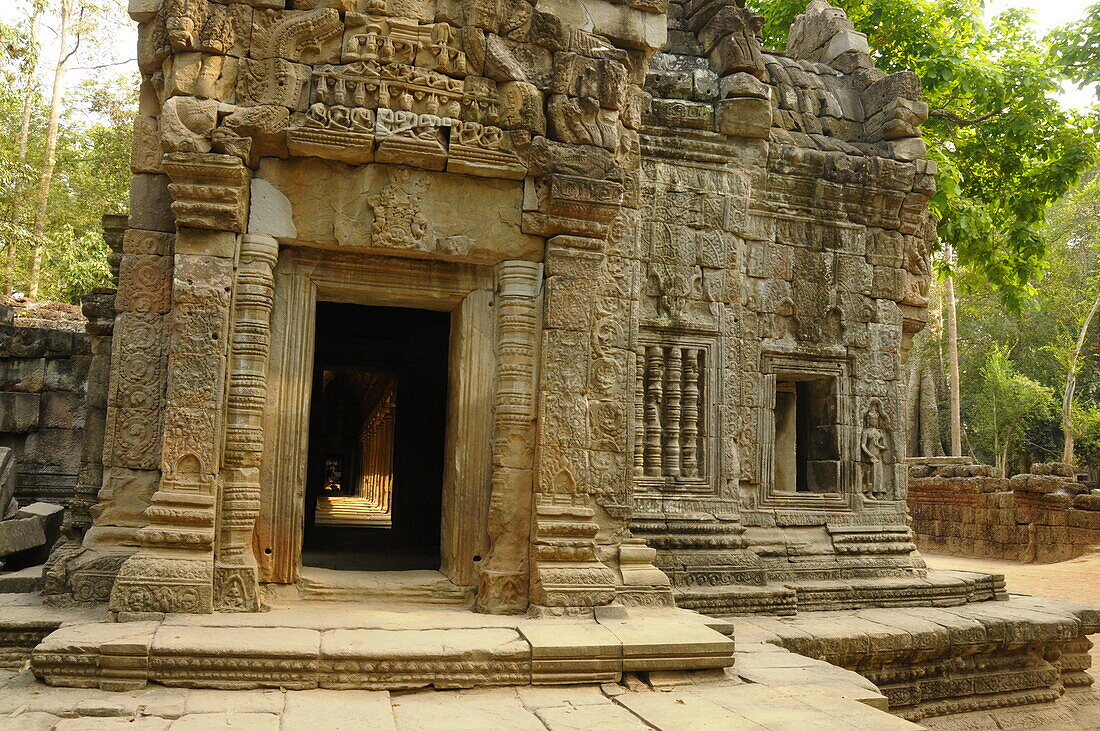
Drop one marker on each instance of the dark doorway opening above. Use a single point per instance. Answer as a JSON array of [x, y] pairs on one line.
[[806, 450], [377, 422]]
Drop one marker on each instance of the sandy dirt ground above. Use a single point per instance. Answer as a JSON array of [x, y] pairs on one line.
[[1076, 581]]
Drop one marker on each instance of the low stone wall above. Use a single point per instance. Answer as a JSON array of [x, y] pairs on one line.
[[43, 377], [1039, 517]]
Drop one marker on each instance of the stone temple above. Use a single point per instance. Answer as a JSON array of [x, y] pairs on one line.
[[589, 314]]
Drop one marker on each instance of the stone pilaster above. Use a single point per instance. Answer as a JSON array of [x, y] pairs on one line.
[[235, 574], [504, 576], [567, 576], [174, 570]]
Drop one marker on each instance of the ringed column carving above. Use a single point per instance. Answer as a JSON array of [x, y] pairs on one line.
[[236, 584], [502, 587]]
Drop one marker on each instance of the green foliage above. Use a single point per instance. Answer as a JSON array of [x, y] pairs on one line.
[[1021, 152], [1076, 47], [1039, 338], [1087, 448], [92, 176], [1006, 403]]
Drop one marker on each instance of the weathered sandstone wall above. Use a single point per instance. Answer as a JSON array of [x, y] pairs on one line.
[[43, 376], [1041, 517]]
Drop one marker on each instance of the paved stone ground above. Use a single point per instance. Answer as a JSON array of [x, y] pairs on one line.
[[834, 699], [1078, 581]]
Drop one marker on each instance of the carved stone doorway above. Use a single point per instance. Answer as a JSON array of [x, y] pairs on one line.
[[374, 480], [460, 299]]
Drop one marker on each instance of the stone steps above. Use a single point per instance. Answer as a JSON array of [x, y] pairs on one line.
[[420, 587], [938, 589]]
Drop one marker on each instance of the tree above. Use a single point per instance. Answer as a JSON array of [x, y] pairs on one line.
[[1007, 401], [1076, 47], [67, 32], [91, 151], [23, 139]]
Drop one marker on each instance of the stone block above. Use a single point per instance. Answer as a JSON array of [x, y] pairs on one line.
[[59, 409], [270, 212], [22, 374], [23, 581], [150, 203], [21, 534], [19, 413], [67, 374], [29, 342], [744, 117], [142, 11], [52, 447]]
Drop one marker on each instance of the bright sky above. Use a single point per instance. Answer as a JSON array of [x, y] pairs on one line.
[[1047, 13]]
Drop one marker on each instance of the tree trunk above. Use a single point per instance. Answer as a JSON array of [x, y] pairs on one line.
[[43, 198], [1071, 385], [22, 142], [953, 358]]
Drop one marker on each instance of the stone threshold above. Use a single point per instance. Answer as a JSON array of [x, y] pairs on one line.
[[429, 587], [937, 661], [389, 647]]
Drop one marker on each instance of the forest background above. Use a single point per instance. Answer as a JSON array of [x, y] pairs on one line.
[[1008, 370]]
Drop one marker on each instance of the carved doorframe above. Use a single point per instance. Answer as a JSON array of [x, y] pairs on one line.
[[302, 278]]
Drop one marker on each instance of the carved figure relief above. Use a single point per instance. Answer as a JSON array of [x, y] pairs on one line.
[[874, 446], [398, 221]]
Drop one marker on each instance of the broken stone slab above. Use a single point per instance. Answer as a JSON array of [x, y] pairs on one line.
[[51, 516], [21, 534]]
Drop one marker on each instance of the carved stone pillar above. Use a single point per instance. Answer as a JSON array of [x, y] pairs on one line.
[[235, 575], [503, 580], [174, 569]]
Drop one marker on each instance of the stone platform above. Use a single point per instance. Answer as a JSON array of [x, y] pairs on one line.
[[940, 661], [355, 646], [936, 589], [926, 661], [818, 696]]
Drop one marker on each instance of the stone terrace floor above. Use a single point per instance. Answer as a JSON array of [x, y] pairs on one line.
[[769, 688], [819, 696]]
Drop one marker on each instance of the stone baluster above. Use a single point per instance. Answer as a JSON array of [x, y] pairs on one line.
[[653, 401], [673, 386], [690, 428], [235, 576]]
